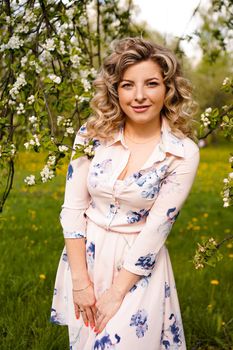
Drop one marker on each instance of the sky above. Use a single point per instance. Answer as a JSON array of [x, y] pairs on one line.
[[171, 17]]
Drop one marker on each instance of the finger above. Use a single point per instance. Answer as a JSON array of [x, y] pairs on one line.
[[84, 317], [99, 321], [90, 316], [76, 310], [103, 324], [94, 311]]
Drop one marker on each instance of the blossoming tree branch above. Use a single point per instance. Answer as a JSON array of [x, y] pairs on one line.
[[50, 51]]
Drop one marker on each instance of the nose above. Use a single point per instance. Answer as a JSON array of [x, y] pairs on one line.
[[139, 94]]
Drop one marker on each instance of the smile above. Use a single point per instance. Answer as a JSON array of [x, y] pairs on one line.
[[140, 109]]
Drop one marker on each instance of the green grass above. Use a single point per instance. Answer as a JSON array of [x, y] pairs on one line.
[[31, 243]]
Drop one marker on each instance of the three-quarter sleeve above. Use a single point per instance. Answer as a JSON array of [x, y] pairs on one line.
[[77, 198], [141, 258]]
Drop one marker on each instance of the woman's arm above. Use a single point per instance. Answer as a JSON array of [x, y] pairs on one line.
[[76, 253], [73, 222]]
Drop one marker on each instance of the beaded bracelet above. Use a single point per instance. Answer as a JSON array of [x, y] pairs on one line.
[[79, 290]]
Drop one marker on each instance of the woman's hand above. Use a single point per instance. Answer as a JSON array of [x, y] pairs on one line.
[[84, 304], [107, 306]]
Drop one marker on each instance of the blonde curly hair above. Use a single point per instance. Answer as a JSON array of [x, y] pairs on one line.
[[107, 114]]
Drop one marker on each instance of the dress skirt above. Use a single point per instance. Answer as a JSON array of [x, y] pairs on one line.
[[149, 317]]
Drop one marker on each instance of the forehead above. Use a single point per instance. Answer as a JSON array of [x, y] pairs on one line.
[[144, 69]]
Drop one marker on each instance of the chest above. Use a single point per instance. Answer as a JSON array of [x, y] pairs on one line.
[[142, 176]]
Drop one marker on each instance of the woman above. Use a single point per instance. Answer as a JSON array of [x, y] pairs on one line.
[[115, 287]]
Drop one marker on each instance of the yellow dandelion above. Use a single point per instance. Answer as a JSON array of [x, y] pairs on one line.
[[227, 230], [42, 276], [210, 306], [196, 228], [230, 256], [229, 245], [194, 219], [205, 215], [223, 323], [214, 282]]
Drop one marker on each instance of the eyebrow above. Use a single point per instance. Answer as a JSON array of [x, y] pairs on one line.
[[131, 81]]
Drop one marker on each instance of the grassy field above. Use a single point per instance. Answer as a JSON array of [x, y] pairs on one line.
[[31, 243]]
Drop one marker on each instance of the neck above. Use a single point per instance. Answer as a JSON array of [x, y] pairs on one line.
[[142, 131]]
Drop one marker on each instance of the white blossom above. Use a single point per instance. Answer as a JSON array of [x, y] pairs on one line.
[[84, 73], [86, 84], [46, 173], [93, 72], [60, 118], [62, 47], [225, 181], [19, 83], [49, 45], [70, 130], [26, 145], [62, 30], [51, 160], [23, 61], [29, 16], [32, 119], [226, 204], [31, 99], [13, 149], [14, 43], [70, 13], [36, 65], [30, 180], [75, 59], [22, 28], [63, 148], [12, 102], [89, 150], [83, 21], [20, 109], [55, 78], [226, 81], [34, 141], [204, 118], [231, 175], [231, 159], [208, 110], [74, 76], [45, 56], [74, 42]]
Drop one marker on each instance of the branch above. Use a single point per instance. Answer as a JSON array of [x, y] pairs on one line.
[[220, 115], [98, 32], [9, 184], [48, 109], [224, 240]]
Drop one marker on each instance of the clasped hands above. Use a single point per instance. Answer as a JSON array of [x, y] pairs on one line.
[[97, 313]]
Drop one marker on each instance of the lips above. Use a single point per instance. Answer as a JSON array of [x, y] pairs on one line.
[[140, 109]]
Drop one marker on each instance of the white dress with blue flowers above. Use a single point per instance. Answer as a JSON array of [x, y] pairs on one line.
[[126, 223]]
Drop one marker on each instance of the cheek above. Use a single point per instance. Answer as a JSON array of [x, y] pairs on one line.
[[158, 97], [124, 99]]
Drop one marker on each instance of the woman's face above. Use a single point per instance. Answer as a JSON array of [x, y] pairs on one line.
[[141, 92]]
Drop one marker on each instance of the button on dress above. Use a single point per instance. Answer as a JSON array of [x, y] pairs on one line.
[[125, 223]]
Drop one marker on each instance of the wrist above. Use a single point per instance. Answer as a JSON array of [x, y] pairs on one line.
[[119, 290], [80, 281]]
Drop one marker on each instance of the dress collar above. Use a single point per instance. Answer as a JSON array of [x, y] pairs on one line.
[[169, 142]]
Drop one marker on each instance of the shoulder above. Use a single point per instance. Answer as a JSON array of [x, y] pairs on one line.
[[191, 149]]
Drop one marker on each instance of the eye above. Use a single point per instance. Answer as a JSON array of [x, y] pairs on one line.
[[126, 85], [152, 83]]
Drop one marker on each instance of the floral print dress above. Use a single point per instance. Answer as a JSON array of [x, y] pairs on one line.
[[125, 224]]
